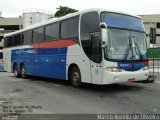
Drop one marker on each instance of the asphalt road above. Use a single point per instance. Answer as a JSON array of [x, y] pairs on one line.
[[49, 96]]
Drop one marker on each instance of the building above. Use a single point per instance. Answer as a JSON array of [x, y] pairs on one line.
[[8, 25], [29, 17], [152, 21], [32, 16]]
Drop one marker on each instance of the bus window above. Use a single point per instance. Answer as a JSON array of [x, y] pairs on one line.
[[89, 24], [38, 35], [52, 32], [17, 40], [27, 37], [69, 28], [1, 55], [4, 43], [64, 29], [73, 28], [10, 41]]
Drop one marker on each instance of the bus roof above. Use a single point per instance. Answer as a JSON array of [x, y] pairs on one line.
[[49, 21]]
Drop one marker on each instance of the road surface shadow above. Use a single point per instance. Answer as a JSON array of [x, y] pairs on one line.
[[90, 87], [50, 80], [113, 88]]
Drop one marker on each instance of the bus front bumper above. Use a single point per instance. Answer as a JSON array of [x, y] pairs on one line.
[[117, 77]]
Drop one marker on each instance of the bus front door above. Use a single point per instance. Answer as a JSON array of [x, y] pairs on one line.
[[96, 58]]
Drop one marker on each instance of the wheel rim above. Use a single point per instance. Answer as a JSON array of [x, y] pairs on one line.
[[23, 72], [76, 77], [15, 72]]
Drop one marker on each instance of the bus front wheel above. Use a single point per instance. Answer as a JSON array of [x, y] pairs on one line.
[[15, 70], [75, 77], [23, 72]]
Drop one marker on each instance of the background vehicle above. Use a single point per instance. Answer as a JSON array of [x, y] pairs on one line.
[[1, 60], [93, 46]]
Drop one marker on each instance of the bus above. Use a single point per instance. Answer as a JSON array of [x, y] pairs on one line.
[[94, 46], [1, 60]]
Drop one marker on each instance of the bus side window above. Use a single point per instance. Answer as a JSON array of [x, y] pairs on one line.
[[10, 41], [89, 24], [1, 55], [27, 37], [70, 28], [17, 40], [64, 30], [4, 42], [74, 28], [38, 35], [52, 32]]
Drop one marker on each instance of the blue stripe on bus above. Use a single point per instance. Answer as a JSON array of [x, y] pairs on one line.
[[130, 66], [42, 62], [1, 67]]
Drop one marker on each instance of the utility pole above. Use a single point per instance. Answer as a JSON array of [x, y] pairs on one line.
[[153, 41]]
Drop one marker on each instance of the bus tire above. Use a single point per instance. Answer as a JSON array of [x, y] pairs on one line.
[[15, 70], [75, 77], [23, 72]]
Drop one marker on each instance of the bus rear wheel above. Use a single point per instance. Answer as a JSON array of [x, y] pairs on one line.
[[75, 77], [15, 70], [23, 72]]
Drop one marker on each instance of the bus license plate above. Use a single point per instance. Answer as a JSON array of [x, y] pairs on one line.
[[131, 80]]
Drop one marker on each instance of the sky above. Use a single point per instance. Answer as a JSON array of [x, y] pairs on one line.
[[14, 8]]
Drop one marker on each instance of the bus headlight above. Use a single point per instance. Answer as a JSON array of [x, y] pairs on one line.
[[146, 67], [114, 69]]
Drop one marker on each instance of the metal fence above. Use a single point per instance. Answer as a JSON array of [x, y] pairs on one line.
[[154, 68], [154, 63]]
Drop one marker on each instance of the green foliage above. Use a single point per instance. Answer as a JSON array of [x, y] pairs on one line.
[[63, 10]]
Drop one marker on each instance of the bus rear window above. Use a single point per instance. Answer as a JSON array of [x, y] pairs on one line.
[[1, 55]]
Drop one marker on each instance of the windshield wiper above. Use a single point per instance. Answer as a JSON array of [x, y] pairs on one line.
[[136, 45], [129, 48]]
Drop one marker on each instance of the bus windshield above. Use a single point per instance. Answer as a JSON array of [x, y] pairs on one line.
[[126, 37]]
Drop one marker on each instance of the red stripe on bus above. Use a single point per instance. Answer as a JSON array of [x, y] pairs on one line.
[[55, 44], [145, 62]]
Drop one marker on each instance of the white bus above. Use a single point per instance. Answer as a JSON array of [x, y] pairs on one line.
[[93, 46]]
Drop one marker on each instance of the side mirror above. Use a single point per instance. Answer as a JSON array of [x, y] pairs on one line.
[[104, 34]]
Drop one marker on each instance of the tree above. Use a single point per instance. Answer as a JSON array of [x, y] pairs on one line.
[[63, 10]]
